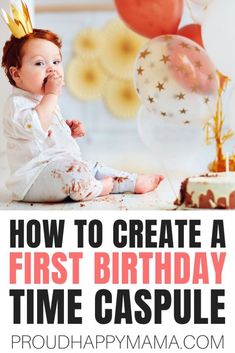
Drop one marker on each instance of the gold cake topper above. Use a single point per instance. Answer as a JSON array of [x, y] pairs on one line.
[[20, 24]]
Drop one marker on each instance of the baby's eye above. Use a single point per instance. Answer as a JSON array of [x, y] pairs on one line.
[[56, 62], [39, 63]]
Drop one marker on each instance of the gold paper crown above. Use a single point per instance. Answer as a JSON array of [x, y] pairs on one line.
[[20, 24]]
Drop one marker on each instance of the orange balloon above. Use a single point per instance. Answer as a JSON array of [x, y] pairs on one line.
[[151, 18], [193, 32]]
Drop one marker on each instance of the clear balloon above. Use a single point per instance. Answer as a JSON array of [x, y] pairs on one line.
[[197, 9], [218, 33], [175, 79], [178, 147]]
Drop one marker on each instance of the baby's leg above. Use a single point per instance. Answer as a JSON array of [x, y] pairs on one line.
[[63, 178], [128, 182], [107, 184], [122, 181]]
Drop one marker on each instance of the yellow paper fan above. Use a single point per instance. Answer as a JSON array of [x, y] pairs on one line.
[[87, 43], [85, 79], [119, 49], [121, 98]]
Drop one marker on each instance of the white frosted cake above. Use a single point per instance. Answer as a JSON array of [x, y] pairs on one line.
[[213, 190]]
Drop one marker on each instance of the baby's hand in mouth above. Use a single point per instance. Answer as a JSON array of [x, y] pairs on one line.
[[52, 84], [53, 74], [44, 81]]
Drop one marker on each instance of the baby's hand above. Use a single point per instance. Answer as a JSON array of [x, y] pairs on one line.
[[53, 83], [77, 128]]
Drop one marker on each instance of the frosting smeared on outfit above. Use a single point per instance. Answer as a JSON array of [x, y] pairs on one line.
[[35, 154]]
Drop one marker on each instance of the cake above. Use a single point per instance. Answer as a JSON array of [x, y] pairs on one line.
[[212, 190]]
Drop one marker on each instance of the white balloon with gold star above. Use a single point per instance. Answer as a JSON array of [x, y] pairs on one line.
[[176, 80]]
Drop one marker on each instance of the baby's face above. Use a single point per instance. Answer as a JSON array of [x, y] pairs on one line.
[[39, 58]]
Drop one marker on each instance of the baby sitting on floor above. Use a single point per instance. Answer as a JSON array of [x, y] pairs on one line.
[[45, 160]]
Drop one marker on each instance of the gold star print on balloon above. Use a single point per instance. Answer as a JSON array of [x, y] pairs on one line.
[[160, 86], [169, 72], [180, 68], [183, 111], [104, 58], [198, 64], [165, 58], [195, 88], [185, 45], [140, 70], [151, 99], [180, 96], [144, 53], [210, 77], [197, 49], [167, 38]]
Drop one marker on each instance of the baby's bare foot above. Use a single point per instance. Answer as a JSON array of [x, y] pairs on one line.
[[147, 182], [107, 186]]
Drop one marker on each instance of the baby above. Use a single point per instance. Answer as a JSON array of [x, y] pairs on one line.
[[45, 160]]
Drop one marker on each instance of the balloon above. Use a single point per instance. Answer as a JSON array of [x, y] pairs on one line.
[[179, 146], [192, 31], [201, 2], [197, 9], [151, 18], [175, 79], [218, 33]]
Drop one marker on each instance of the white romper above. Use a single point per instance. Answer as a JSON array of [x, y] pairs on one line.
[[47, 166]]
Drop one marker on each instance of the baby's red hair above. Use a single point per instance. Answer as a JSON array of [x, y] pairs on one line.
[[12, 51]]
